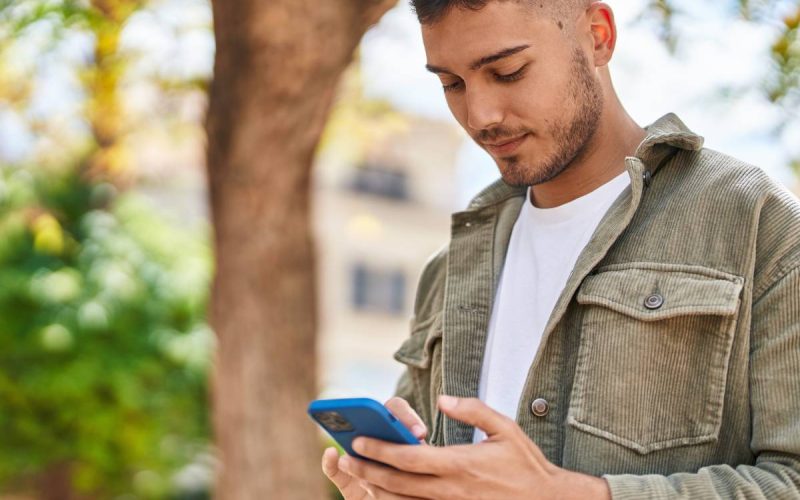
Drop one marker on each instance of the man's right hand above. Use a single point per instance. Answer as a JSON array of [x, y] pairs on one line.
[[350, 487]]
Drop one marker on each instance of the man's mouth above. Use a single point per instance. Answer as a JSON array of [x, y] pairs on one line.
[[506, 146]]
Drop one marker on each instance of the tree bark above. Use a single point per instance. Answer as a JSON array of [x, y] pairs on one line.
[[276, 67]]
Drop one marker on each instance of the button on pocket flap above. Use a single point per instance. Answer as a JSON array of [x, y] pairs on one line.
[[661, 293], [416, 350]]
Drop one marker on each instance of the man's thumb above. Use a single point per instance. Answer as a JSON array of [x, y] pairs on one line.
[[474, 412]]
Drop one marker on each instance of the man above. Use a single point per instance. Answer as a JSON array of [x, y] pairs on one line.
[[619, 317]]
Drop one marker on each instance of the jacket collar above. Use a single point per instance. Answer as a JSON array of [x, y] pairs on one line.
[[664, 136]]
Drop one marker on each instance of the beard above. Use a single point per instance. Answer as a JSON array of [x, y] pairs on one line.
[[571, 138]]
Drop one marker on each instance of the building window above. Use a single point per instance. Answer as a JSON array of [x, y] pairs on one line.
[[378, 290], [381, 181]]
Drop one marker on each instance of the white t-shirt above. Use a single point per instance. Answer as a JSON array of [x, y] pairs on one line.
[[545, 244]]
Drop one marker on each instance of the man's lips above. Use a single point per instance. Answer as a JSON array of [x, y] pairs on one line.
[[505, 147]]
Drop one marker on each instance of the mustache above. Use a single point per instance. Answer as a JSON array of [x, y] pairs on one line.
[[498, 133]]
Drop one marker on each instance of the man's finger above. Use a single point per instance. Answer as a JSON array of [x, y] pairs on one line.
[[474, 412], [416, 459], [346, 483], [407, 416], [379, 493], [381, 478]]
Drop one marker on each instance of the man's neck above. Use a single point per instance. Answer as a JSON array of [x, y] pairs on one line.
[[617, 137]]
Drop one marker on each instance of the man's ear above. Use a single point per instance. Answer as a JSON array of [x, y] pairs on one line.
[[603, 32]]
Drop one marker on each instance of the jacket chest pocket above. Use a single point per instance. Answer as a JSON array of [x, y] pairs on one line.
[[653, 357], [422, 353]]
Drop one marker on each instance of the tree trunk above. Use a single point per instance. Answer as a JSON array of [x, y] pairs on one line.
[[277, 65], [55, 483]]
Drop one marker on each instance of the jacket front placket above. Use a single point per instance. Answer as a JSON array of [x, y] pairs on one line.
[[478, 239]]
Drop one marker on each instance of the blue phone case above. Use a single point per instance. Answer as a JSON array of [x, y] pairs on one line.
[[366, 417]]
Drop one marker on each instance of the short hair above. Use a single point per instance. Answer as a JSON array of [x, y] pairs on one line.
[[431, 11]]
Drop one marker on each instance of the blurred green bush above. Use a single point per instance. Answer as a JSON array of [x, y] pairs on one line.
[[104, 347]]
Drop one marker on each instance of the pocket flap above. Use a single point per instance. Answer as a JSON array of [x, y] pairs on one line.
[[661, 292], [417, 348]]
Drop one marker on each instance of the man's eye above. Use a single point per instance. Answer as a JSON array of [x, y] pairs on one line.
[[450, 87], [512, 76]]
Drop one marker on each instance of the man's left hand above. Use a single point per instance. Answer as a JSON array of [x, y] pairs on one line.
[[506, 465]]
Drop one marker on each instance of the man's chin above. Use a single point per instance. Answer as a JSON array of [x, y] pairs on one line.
[[516, 174], [509, 173], [514, 181]]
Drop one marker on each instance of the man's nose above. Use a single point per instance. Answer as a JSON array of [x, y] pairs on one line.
[[483, 110]]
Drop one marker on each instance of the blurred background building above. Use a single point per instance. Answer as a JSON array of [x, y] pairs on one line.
[[377, 223]]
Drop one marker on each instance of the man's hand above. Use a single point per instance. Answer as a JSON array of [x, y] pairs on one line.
[[506, 465], [354, 488]]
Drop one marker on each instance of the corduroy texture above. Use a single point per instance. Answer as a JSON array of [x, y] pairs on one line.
[[698, 397]]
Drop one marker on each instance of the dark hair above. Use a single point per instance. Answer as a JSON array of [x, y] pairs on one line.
[[430, 11]]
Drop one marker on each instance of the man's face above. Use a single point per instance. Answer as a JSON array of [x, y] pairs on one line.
[[522, 89]]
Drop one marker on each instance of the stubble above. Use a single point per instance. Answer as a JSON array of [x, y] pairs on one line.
[[571, 138]]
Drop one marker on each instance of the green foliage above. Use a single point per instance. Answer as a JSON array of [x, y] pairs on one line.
[[17, 16], [103, 343]]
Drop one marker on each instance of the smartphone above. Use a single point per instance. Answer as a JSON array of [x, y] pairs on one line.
[[346, 419]]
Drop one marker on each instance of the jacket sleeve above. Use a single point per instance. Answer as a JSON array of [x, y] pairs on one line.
[[775, 404], [428, 302], [405, 390]]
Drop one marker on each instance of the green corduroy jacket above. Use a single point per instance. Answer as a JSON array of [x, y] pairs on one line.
[[671, 361]]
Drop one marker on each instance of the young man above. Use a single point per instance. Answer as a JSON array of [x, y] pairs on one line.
[[619, 317]]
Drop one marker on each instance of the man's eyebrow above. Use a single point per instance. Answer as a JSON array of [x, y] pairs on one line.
[[437, 69], [483, 61]]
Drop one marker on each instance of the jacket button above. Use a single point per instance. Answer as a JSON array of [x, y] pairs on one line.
[[654, 301], [540, 407]]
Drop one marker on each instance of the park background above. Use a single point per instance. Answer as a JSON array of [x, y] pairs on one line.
[[145, 144]]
